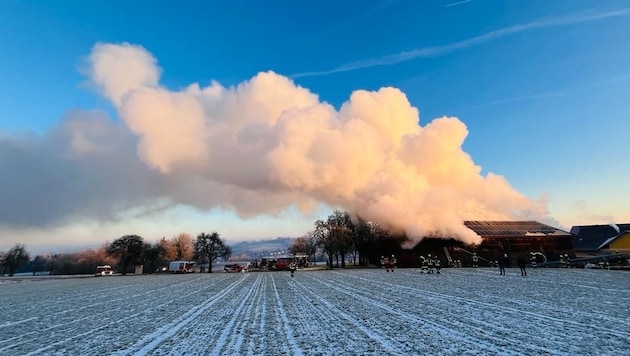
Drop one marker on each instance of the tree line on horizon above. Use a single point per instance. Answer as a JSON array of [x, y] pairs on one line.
[[125, 252], [337, 237]]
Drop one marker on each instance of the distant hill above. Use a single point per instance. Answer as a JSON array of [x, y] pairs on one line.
[[251, 250]]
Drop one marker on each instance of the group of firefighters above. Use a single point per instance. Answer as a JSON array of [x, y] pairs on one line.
[[430, 264]]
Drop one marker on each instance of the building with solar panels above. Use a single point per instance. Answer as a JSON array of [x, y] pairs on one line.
[[514, 238], [521, 238]]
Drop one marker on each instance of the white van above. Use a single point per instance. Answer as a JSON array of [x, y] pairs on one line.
[[104, 270], [181, 267]]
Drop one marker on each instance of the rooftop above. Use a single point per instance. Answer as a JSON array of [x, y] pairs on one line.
[[513, 228], [593, 237]]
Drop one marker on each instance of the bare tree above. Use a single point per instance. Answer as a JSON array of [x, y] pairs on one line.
[[14, 258], [38, 264], [312, 245], [306, 245], [300, 245], [180, 247], [210, 247], [341, 227], [325, 239], [363, 236]]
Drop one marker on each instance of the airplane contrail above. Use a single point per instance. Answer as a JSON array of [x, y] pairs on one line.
[[458, 3], [436, 51]]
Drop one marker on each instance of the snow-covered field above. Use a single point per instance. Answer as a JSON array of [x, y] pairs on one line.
[[341, 312]]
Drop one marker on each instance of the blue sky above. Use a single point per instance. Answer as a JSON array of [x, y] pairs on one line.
[[542, 87]]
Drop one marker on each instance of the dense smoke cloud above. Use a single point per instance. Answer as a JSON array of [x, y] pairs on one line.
[[85, 167], [260, 147]]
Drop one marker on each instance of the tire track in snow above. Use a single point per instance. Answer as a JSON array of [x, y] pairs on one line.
[[255, 319], [242, 323], [322, 332], [151, 341], [200, 334], [66, 324], [261, 305], [562, 309], [143, 309], [546, 318], [72, 301], [548, 330], [559, 321], [379, 301], [317, 318], [317, 321], [13, 323], [557, 282], [574, 307], [77, 298], [370, 333], [295, 350], [546, 305], [229, 330], [63, 298], [461, 329]]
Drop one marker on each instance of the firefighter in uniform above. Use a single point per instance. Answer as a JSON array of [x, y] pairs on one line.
[[389, 264], [503, 262], [437, 264], [394, 261], [475, 260], [292, 268], [430, 264], [532, 258]]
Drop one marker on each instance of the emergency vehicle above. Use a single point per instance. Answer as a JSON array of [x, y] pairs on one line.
[[181, 267]]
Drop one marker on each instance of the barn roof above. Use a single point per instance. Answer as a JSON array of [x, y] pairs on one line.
[[594, 237], [513, 228]]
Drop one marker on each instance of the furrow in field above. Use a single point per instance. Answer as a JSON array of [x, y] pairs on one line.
[[352, 321], [435, 318], [549, 330], [151, 341], [130, 311]]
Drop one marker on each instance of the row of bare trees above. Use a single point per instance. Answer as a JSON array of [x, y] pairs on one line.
[[340, 236], [131, 250], [125, 252]]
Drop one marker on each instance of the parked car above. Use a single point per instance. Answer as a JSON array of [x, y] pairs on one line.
[[234, 268]]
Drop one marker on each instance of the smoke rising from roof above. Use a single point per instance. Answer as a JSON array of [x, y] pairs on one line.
[[274, 143], [267, 144]]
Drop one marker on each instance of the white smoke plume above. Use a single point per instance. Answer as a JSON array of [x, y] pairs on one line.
[[267, 144], [614, 226]]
